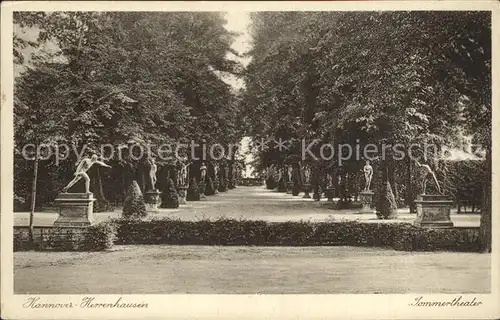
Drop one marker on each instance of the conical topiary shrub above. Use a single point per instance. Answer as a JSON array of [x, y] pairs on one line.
[[281, 185], [222, 185], [134, 205], [169, 197], [193, 194], [209, 187], [317, 192], [271, 183], [296, 187], [387, 207]]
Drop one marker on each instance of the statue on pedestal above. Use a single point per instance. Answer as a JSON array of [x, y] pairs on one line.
[[426, 170], [329, 181], [368, 170], [203, 172], [81, 172], [183, 175], [216, 171], [152, 172], [307, 174]]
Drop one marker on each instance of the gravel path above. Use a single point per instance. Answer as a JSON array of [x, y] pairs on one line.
[[257, 203], [166, 269]]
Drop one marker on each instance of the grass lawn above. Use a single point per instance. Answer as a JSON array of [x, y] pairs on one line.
[[162, 269]]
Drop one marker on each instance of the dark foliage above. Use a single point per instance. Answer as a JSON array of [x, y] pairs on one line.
[[134, 206], [97, 237], [193, 193], [401, 236], [170, 197], [387, 207], [209, 187]]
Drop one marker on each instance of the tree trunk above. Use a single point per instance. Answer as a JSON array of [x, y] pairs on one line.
[[485, 224], [33, 200], [99, 184], [409, 187]]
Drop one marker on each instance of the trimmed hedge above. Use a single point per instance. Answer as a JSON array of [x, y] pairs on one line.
[[398, 236], [97, 237]]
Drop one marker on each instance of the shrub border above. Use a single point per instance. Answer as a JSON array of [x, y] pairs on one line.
[[232, 232]]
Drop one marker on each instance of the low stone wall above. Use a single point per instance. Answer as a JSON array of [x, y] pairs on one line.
[[93, 238]]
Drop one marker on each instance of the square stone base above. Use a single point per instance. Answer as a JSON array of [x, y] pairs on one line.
[[75, 210], [366, 198], [201, 190], [152, 200], [433, 211], [182, 191]]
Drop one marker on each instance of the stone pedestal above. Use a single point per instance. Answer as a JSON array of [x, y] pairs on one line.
[[366, 198], [329, 201], [289, 187], [182, 191], [216, 186], [307, 189], [433, 211], [152, 200], [201, 190], [75, 209]]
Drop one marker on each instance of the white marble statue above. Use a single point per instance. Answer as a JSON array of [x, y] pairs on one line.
[[426, 170], [81, 172], [203, 172], [152, 172], [183, 174], [368, 170]]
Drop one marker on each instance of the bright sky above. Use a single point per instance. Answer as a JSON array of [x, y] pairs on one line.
[[238, 21]]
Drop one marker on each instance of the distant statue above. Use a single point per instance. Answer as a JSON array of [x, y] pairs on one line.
[[203, 172], [290, 172], [81, 172], [368, 170], [425, 173], [329, 181], [270, 171], [216, 171], [307, 174], [152, 172], [183, 174]]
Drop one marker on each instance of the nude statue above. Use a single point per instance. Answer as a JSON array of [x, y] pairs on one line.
[[426, 171], [216, 171], [203, 172], [81, 172], [152, 172], [183, 175], [307, 174], [290, 172], [329, 181], [368, 170]]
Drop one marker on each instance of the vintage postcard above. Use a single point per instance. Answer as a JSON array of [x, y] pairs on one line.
[[250, 160]]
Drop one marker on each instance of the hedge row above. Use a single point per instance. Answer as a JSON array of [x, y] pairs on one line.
[[98, 237], [398, 236]]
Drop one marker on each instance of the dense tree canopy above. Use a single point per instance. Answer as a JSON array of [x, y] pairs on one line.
[[120, 77], [370, 77]]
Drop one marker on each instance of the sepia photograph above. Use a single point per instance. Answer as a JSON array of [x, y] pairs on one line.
[[274, 152]]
